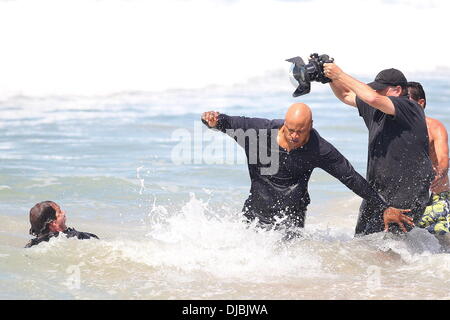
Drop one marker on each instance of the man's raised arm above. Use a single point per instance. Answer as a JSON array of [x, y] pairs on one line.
[[341, 80], [222, 122], [343, 93]]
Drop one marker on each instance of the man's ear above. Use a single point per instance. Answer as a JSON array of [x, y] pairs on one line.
[[52, 225], [421, 102]]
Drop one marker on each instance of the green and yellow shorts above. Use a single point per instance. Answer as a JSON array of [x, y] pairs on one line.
[[436, 218]]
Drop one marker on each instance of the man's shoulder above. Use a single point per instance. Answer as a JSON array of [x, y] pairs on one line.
[[315, 134], [404, 101], [42, 238], [365, 110], [408, 112], [322, 149], [71, 232], [436, 129], [317, 142], [276, 123], [435, 124]]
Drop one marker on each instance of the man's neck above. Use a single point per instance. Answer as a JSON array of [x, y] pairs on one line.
[[58, 229]]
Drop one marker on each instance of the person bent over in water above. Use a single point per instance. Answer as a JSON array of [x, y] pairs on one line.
[[436, 218], [48, 220], [281, 155]]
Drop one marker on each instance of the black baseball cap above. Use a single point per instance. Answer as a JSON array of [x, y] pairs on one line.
[[388, 77]]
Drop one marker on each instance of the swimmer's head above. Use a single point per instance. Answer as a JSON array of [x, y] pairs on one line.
[[47, 217], [416, 93], [297, 125]]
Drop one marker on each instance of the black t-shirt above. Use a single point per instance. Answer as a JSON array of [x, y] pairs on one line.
[[285, 191], [69, 232], [398, 165]]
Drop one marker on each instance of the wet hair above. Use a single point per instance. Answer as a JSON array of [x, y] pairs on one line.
[[416, 92], [404, 91], [40, 216]]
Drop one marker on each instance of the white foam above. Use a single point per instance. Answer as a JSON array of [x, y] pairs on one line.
[[201, 250], [197, 240]]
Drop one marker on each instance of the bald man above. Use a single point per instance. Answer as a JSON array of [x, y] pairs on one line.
[[281, 155]]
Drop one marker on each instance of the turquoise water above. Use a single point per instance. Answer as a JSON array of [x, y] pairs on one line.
[[173, 230]]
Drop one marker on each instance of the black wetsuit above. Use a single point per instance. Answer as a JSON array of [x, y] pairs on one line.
[[69, 232], [284, 193], [398, 164]]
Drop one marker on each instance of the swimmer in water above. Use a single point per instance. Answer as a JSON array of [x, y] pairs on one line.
[[48, 220]]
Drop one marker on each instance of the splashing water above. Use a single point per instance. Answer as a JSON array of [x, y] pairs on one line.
[[203, 253], [176, 231]]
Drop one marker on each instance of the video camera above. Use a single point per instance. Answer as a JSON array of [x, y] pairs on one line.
[[302, 74]]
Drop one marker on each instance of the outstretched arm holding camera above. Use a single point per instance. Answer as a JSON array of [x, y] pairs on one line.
[[347, 89], [343, 93]]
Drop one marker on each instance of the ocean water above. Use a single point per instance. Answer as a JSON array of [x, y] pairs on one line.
[[164, 194]]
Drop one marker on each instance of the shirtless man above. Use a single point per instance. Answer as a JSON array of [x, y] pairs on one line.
[[436, 216]]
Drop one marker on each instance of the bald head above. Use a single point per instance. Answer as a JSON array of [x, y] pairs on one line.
[[298, 114], [297, 125]]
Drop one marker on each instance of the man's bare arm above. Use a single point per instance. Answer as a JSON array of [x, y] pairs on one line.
[[343, 93], [360, 89], [440, 143], [441, 146]]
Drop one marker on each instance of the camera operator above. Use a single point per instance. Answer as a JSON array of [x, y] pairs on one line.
[[398, 167]]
